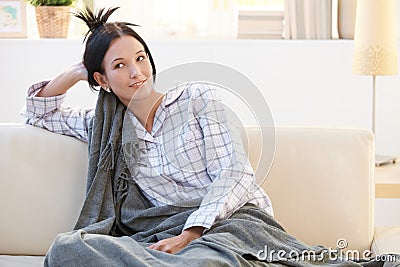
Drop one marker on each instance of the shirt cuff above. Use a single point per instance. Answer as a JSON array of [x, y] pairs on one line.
[[37, 106], [201, 218]]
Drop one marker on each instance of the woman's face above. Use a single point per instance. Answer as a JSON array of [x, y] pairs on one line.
[[128, 70]]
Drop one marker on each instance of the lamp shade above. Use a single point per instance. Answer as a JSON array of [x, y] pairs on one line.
[[375, 38]]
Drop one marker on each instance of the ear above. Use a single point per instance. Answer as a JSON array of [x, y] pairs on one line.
[[100, 79]]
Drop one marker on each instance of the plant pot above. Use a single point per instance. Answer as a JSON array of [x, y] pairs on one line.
[[53, 21], [346, 18]]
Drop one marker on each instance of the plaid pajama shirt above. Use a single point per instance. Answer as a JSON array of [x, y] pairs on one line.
[[190, 152]]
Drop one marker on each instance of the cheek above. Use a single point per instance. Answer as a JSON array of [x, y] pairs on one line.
[[149, 70], [115, 77]]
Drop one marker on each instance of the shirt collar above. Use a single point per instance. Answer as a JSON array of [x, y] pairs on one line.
[[173, 94], [170, 97]]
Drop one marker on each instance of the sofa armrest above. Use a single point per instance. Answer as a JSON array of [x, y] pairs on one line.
[[42, 187], [386, 240]]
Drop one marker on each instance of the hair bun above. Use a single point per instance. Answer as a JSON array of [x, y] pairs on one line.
[[94, 21]]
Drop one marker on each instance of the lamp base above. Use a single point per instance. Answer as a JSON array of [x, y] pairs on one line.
[[383, 160]]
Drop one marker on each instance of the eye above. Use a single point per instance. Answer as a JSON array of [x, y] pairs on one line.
[[119, 65], [140, 58]]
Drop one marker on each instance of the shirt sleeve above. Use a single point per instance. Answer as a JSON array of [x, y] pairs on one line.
[[227, 163], [48, 113]]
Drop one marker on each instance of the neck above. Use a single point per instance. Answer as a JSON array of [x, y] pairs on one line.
[[145, 109]]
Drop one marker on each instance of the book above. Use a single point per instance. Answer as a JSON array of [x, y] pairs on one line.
[[260, 23], [271, 35], [257, 14]]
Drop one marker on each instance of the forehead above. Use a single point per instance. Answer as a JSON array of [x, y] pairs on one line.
[[123, 47]]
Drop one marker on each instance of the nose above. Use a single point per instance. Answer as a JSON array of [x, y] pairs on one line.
[[134, 71]]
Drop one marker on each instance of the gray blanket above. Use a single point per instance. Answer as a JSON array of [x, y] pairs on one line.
[[248, 238], [117, 222]]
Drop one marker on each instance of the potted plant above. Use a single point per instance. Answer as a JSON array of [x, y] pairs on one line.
[[52, 17]]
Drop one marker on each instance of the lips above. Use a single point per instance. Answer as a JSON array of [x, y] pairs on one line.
[[137, 84]]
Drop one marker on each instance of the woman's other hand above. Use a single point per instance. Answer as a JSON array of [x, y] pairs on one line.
[[177, 243]]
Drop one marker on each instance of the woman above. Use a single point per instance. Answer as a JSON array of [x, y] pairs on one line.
[[143, 206]]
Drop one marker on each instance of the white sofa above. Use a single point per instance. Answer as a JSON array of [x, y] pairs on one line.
[[321, 185]]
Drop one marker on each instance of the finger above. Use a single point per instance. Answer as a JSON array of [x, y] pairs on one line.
[[156, 246], [161, 247], [153, 246]]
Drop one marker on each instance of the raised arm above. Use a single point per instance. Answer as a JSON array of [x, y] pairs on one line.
[[44, 107], [64, 81]]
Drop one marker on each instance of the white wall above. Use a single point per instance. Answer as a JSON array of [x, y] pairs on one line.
[[305, 82]]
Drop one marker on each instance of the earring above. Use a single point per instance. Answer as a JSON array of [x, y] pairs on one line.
[[107, 89]]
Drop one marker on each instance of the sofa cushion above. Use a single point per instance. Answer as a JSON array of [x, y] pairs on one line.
[[321, 184], [21, 261]]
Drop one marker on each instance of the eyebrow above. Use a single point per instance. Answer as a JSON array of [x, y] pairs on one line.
[[119, 58]]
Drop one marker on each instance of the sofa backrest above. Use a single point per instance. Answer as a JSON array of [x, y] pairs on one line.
[[320, 183]]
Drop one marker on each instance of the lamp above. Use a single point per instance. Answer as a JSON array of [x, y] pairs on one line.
[[375, 47]]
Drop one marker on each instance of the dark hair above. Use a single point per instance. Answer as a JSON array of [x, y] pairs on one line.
[[101, 33]]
